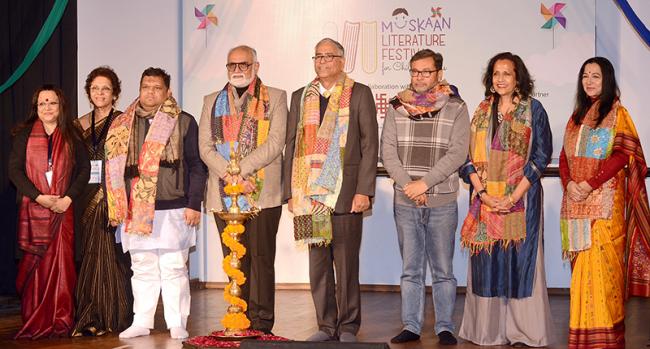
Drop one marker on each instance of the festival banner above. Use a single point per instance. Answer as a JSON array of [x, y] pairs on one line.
[[379, 37]]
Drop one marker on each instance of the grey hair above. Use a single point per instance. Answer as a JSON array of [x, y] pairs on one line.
[[247, 48], [333, 42]]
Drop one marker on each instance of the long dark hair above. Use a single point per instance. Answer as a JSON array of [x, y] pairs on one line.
[[608, 96], [64, 120], [525, 83]]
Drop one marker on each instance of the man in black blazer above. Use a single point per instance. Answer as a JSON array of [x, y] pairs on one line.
[[338, 309]]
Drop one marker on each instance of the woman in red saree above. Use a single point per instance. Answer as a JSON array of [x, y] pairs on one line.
[[604, 217], [49, 166]]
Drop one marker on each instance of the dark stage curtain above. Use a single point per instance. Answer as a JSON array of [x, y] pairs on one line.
[[20, 23]]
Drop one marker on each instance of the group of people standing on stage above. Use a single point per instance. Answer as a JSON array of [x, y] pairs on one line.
[[136, 180]]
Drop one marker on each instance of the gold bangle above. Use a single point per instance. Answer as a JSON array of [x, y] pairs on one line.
[[512, 203]]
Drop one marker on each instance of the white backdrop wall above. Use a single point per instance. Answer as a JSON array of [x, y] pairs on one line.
[[133, 35]]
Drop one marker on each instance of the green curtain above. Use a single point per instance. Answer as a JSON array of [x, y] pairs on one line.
[[42, 38]]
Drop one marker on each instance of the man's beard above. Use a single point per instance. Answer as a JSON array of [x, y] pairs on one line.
[[240, 80]]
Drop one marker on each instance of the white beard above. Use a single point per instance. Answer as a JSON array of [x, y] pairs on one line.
[[240, 80]]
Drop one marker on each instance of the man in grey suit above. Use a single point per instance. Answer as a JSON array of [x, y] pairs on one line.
[[329, 179], [250, 118]]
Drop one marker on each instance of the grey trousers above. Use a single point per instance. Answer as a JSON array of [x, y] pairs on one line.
[[338, 305], [258, 266]]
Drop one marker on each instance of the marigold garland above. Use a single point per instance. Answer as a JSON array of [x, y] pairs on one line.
[[234, 228], [233, 245], [234, 300], [237, 321], [232, 189], [233, 273]]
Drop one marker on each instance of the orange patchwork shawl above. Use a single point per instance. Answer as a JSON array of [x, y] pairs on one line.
[[138, 212], [499, 163]]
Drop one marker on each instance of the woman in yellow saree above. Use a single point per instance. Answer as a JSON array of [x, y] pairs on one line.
[[604, 218]]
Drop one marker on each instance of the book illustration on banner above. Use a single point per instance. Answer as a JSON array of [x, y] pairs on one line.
[[553, 15], [206, 18], [350, 43], [369, 47]]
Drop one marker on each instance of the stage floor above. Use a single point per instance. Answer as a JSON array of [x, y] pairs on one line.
[[295, 320]]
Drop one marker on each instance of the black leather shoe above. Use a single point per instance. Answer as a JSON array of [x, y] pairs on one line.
[[405, 336], [447, 338]]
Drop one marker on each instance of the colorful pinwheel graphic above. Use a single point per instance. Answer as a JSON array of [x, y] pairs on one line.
[[553, 15], [205, 17], [436, 12]]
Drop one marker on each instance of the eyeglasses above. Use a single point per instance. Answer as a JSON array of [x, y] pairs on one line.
[[47, 104], [325, 58], [424, 73], [243, 66], [103, 89]]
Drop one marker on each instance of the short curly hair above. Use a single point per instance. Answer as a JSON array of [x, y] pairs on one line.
[[109, 73]]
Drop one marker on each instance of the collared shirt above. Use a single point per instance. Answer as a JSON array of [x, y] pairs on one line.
[[325, 92]]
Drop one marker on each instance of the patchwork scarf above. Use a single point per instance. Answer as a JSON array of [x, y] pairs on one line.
[[422, 133], [170, 156], [243, 131], [422, 105], [37, 224], [586, 148], [499, 163], [318, 161], [137, 213]]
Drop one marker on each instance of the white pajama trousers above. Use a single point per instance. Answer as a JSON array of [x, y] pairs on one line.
[[156, 270]]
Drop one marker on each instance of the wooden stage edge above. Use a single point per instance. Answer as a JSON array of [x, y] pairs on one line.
[[195, 284]]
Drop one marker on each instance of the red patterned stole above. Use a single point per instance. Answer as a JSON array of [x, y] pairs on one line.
[[637, 256], [37, 224]]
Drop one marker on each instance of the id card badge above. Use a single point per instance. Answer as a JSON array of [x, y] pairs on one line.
[[95, 172], [48, 176]]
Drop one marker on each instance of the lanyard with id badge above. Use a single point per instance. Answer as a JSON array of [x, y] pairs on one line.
[[97, 165], [48, 174]]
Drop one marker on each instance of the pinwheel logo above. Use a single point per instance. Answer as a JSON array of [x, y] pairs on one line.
[[553, 15], [206, 18], [436, 12]]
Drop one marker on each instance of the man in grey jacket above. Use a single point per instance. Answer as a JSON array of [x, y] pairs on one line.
[[250, 118], [424, 141]]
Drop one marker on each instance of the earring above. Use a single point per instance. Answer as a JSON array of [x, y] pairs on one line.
[[517, 90], [492, 89]]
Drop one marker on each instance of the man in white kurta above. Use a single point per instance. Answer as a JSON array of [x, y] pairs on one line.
[[159, 256]]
